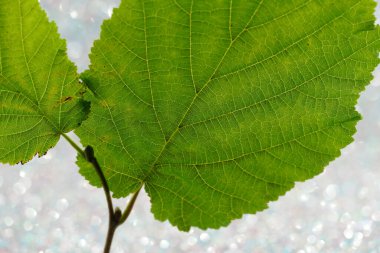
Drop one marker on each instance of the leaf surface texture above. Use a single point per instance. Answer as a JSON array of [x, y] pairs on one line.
[[39, 86], [220, 106]]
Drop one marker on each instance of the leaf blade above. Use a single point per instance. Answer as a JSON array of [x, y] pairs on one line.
[[240, 102], [39, 86]]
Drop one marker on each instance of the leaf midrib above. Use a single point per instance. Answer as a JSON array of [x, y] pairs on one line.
[[23, 49], [200, 91]]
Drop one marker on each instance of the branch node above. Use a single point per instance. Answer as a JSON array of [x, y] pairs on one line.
[[117, 215], [89, 154]]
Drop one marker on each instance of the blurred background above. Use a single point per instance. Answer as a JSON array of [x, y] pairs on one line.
[[47, 207]]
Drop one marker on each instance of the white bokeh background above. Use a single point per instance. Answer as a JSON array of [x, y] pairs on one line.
[[47, 207]]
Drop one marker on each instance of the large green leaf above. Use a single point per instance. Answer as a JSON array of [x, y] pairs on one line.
[[39, 86], [219, 106]]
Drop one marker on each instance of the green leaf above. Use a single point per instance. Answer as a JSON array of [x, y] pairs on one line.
[[39, 86], [86, 169], [219, 107]]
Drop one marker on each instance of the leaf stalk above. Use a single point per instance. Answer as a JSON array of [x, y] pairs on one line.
[[116, 217]]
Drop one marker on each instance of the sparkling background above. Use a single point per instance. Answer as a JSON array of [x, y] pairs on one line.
[[47, 207]]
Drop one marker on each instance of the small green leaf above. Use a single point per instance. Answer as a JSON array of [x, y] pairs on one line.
[[39, 86], [220, 106], [86, 169]]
